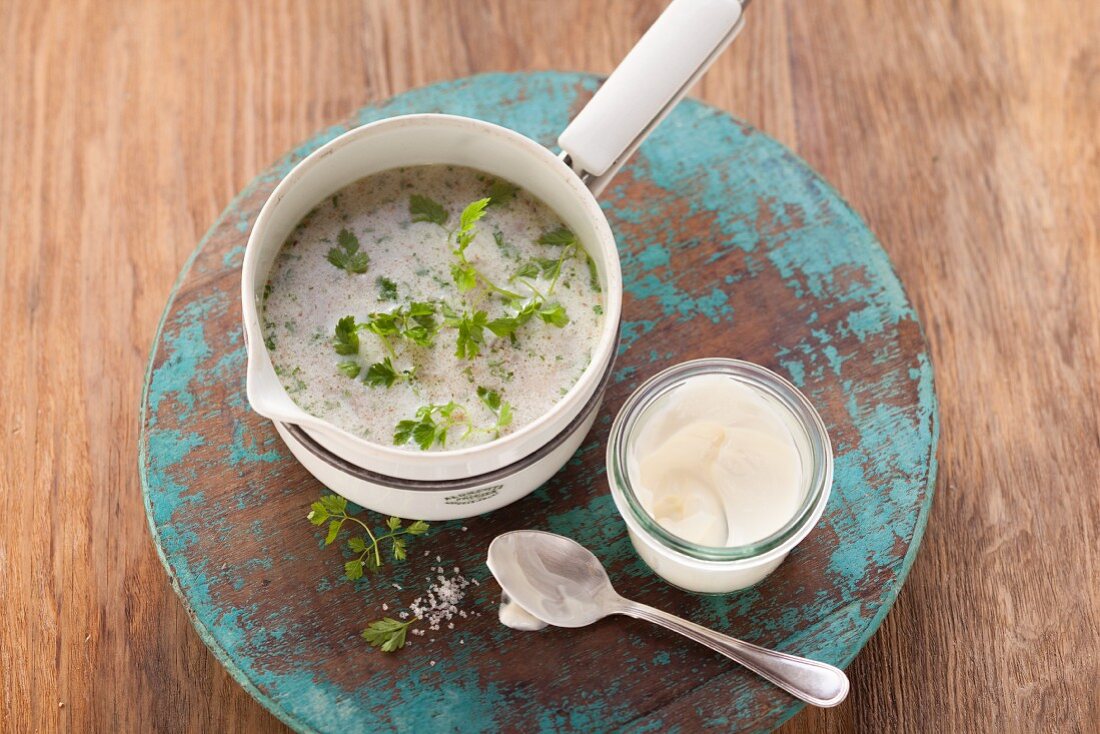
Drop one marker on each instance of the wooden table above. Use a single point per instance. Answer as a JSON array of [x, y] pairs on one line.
[[967, 135]]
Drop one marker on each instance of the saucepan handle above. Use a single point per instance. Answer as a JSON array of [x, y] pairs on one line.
[[675, 51]]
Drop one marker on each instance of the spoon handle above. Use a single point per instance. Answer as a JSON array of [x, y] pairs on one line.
[[813, 682]]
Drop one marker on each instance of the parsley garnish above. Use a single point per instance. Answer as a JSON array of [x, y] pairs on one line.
[[463, 272], [435, 422], [471, 330], [501, 192], [387, 289], [350, 368], [430, 425], [502, 409], [346, 341], [539, 267], [347, 256], [464, 276], [387, 634], [414, 322], [529, 269], [383, 374], [424, 209], [466, 221], [509, 325], [571, 247], [418, 323], [559, 236], [553, 314], [332, 509]]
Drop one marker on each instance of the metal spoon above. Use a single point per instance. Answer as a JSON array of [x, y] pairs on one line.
[[560, 582]]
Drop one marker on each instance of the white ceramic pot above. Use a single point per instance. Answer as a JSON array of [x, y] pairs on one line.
[[441, 485]]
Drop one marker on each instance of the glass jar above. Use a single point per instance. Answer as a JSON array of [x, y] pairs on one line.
[[711, 569]]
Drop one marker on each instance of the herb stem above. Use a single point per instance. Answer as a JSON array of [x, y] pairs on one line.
[[566, 253], [376, 542], [496, 288], [488, 284], [535, 290], [388, 347], [361, 524]]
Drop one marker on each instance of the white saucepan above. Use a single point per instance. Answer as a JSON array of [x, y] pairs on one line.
[[455, 483]]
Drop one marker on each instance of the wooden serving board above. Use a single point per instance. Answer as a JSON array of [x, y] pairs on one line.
[[731, 246]]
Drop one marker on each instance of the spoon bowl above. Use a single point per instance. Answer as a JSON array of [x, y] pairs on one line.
[[561, 582], [552, 577]]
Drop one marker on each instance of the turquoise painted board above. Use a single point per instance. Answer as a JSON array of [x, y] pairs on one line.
[[730, 246]]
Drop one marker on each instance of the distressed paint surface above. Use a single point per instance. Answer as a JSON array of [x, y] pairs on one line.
[[731, 246]]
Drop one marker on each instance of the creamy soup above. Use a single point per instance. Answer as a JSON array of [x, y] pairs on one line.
[[431, 307]]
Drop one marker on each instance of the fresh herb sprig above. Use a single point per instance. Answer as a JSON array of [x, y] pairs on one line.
[[431, 425], [539, 267], [387, 634], [347, 256], [470, 325], [350, 367], [501, 409], [414, 323], [507, 326], [425, 209], [551, 269], [501, 192], [434, 423], [346, 339], [332, 509], [379, 374], [464, 273], [384, 374]]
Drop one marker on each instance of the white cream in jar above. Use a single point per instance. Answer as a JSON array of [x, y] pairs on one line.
[[719, 467], [714, 464]]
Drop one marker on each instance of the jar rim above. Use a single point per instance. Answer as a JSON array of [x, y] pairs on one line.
[[762, 379]]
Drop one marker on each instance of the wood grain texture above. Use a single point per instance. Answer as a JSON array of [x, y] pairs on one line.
[[966, 135]]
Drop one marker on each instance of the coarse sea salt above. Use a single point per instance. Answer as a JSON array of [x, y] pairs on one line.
[[440, 603]]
